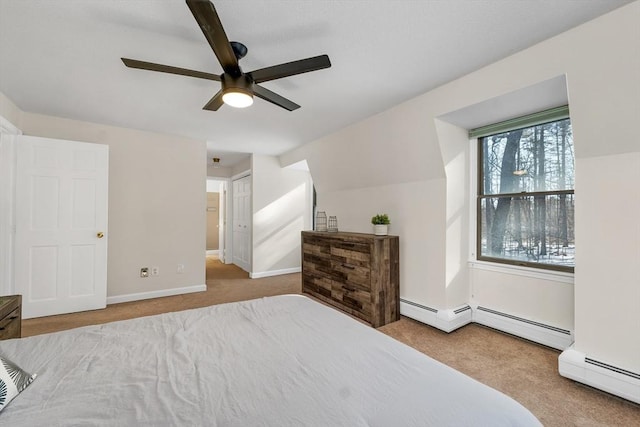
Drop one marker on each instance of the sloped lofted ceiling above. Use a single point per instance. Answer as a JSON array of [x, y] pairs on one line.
[[62, 58]]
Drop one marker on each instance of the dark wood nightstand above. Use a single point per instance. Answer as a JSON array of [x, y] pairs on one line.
[[10, 317]]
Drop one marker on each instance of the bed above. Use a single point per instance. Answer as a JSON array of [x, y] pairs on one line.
[[276, 361]]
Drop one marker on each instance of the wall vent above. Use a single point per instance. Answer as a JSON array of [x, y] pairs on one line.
[[612, 368], [520, 319], [415, 304], [462, 309]]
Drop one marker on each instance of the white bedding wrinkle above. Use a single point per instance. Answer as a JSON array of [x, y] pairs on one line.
[[276, 361]]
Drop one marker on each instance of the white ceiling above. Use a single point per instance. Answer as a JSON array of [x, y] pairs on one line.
[[62, 58]]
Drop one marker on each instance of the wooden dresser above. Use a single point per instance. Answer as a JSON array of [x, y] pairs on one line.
[[355, 272], [10, 317]]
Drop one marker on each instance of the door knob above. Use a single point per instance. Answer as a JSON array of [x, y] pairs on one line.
[[100, 234]]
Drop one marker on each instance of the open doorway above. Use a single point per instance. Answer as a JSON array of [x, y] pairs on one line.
[[213, 223], [216, 221]]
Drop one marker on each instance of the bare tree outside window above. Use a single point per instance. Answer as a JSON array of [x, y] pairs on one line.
[[526, 198]]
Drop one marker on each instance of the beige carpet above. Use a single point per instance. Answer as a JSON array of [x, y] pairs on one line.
[[523, 370], [216, 270], [225, 283]]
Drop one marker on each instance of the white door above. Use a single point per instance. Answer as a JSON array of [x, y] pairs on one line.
[[61, 226], [222, 221], [8, 134], [242, 223]]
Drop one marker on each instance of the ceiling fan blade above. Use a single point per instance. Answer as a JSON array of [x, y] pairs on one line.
[[209, 22], [290, 68], [214, 103], [134, 63], [274, 98]]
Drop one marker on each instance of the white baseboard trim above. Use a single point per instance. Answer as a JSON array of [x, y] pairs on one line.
[[445, 320], [548, 335], [620, 382], [213, 252], [155, 294], [261, 274]]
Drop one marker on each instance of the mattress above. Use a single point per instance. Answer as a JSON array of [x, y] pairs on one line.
[[276, 361]]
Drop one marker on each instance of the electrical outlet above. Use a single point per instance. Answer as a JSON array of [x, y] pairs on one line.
[[144, 272], [155, 271], [180, 269]]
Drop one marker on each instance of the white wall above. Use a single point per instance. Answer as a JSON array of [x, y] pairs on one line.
[[407, 149], [157, 203], [417, 219], [281, 210], [607, 294], [10, 111], [456, 155], [510, 292]]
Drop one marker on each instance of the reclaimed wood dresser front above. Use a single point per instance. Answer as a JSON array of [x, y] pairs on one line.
[[355, 272], [10, 317]]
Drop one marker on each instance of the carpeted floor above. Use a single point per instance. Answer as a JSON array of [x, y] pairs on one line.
[[225, 283], [523, 370], [526, 371]]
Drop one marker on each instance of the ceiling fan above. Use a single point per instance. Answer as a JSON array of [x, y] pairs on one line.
[[238, 87]]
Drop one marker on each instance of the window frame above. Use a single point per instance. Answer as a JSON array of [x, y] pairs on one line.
[[536, 119]]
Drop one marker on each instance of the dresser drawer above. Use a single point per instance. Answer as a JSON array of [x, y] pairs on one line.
[[358, 300], [352, 273], [10, 325], [354, 252], [351, 299], [315, 263], [316, 284], [320, 248]]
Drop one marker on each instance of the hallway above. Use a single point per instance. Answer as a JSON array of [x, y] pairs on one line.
[[217, 270]]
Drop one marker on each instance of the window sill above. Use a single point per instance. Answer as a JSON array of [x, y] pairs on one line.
[[555, 276]]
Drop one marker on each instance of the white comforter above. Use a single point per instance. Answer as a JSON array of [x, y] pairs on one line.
[[278, 361]]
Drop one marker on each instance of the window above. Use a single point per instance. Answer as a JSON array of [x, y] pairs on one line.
[[525, 208]]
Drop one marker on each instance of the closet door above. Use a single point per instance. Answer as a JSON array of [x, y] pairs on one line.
[[61, 226], [242, 223], [8, 134]]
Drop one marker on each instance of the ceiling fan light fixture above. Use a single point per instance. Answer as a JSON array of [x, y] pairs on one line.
[[237, 98], [238, 87]]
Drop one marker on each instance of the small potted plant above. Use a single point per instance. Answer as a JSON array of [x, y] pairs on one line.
[[380, 224]]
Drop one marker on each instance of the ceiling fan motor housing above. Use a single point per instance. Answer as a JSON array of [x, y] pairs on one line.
[[242, 83]]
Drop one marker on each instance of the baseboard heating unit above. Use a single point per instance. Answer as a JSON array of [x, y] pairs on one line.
[[534, 331], [445, 320], [452, 319], [612, 379]]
